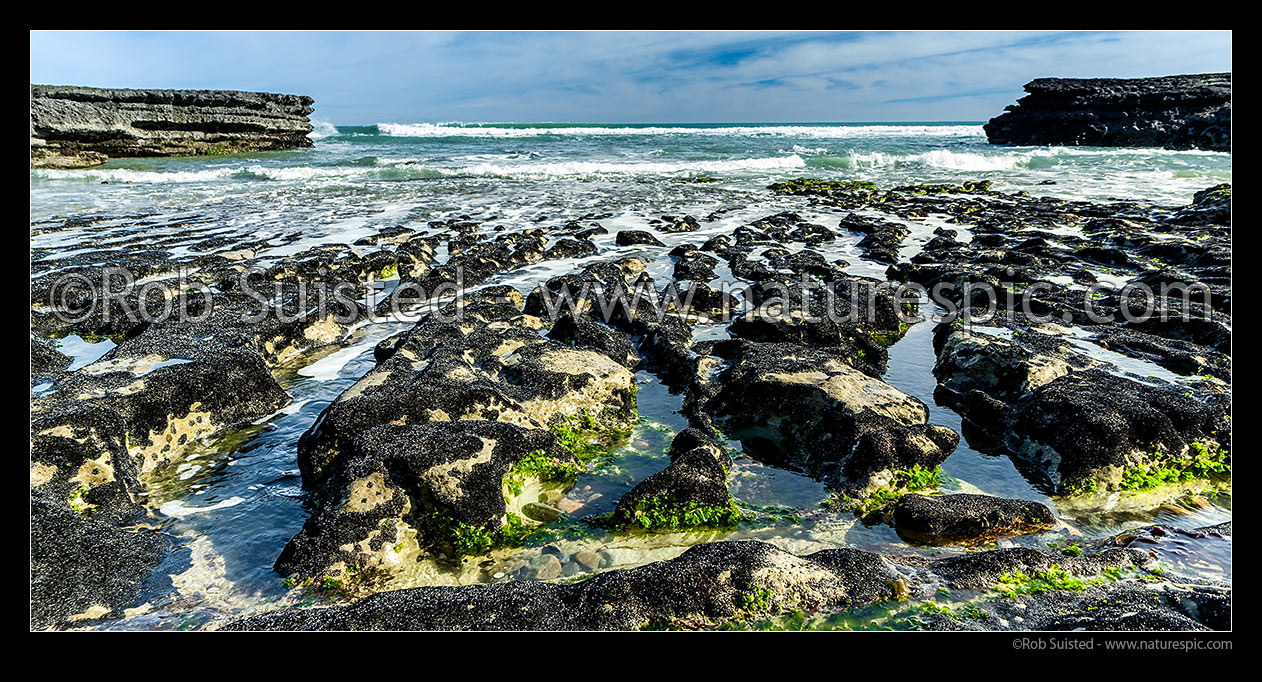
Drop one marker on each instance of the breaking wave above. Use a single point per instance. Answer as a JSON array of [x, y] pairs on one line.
[[803, 131], [372, 168]]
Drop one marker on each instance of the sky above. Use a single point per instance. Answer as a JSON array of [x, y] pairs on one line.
[[360, 78]]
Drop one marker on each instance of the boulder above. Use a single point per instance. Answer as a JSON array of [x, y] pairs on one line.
[[483, 362], [967, 519], [886, 457], [396, 492], [1099, 430], [174, 389], [796, 406], [691, 491], [636, 237]]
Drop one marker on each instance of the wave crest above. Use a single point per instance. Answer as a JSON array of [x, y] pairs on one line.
[[372, 168], [805, 131]]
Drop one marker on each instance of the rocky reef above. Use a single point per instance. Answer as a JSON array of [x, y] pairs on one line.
[[73, 127], [1174, 112], [754, 584], [469, 432]]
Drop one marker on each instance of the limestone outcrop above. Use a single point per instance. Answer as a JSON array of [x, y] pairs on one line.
[[73, 127]]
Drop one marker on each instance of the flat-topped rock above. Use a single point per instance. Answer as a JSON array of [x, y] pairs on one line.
[[1175, 112], [73, 127], [967, 519], [747, 583]]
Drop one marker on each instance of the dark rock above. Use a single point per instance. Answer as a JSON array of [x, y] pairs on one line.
[[707, 584], [1096, 425], [79, 455], [397, 490], [689, 439], [983, 569], [1119, 608], [1179, 112], [691, 491], [570, 248], [84, 569], [1208, 130], [722, 582], [794, 405], [173, 388], [696, 266], [1177, 355], [701, 299], [491, 364], [967, 519], [1210, 206], [584, 333], [46, 358], [880, 453], [716, 243], [1003, 367], [636, 237], [881, 239], [851, 317], [672, 224]]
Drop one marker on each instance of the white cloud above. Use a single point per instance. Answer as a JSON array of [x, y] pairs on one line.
[[624, 76]]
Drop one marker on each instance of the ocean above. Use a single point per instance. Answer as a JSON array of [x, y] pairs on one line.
[[366, 172]]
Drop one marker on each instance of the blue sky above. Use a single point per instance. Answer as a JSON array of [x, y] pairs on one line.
[[374, 77]]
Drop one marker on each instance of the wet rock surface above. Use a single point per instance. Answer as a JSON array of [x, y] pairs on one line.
[[493, 365], [398, 489], [83, 569], [692, 491], [172, 389], [723, 583], [881, 453], [967, 519], [805, 407]]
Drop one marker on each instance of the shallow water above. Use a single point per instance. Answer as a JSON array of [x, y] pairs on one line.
[[234, 506]]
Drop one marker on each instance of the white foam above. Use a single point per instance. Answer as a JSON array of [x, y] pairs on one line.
[[128, 175], [810, 151], [410, 169], [998, 159], [582, 168], [177, 508], [941, 158], [322, 129], [938, 158], [817, 132], [328, 367]]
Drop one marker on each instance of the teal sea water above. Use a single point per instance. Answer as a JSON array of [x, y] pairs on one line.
[[231, 509], [366, 168]]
